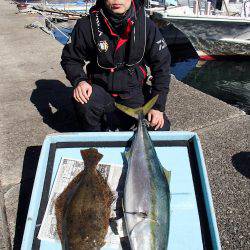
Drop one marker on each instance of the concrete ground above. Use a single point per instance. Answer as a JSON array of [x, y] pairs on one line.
[[35, 101]]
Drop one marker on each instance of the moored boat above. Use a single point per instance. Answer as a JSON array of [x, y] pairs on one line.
[[212, 35]]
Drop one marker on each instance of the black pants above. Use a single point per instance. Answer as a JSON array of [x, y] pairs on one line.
[[100, 113]]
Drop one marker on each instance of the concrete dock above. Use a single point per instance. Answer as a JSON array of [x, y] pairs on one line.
[[35, 101]]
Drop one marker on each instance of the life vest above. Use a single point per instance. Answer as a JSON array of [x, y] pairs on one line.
[[106, 57]]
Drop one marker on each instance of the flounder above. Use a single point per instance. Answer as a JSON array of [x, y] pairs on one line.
[[83, 209]]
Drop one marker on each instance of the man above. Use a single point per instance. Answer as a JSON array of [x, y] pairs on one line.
[[119, 41]]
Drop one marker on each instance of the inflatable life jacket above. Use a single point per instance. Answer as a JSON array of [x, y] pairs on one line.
[[106, 58]]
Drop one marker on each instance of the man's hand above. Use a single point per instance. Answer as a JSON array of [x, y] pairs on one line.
[[155, 117], [82, 92]]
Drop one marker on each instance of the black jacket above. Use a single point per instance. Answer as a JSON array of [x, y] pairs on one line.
[[124, 81]]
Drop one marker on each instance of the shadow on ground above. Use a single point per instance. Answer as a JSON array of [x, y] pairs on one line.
[[30, 162], [52, 99], [241, 163]]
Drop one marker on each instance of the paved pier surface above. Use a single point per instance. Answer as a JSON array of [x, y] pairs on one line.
[[35, 101]]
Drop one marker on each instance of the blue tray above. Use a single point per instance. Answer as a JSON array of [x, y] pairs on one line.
[[193, 223]]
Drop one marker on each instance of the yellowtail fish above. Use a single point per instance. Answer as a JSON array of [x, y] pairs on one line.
[[146, 196]]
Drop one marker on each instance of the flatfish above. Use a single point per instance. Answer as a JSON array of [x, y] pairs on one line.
[[83, 209]]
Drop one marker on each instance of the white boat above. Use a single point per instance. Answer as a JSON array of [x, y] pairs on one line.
[[57, 6], [212, 33]]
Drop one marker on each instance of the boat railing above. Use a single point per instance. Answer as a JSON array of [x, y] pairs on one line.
[[239, 8]]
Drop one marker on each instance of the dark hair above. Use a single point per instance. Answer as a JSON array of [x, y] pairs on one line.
[[99, 3]]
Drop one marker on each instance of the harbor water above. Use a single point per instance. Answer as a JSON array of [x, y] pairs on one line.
[[227, 80]]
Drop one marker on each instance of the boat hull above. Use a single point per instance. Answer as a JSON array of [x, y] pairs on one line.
[[215, 37]]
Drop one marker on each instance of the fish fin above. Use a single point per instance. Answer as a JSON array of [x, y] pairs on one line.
[[149, 105], [129, 111], [91, 157], [61, 203], [135, 112], [142, 230], [127, 154], [167, 174], [118, 227], [123, 207], [141, 226]]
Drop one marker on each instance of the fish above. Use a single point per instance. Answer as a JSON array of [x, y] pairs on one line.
[[146, 201], [83, 209]]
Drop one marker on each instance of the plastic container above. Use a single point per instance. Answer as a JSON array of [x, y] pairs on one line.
[[192, 217]]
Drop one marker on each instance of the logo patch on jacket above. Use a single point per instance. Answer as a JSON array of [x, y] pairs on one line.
[[162, 44], [103, 46]]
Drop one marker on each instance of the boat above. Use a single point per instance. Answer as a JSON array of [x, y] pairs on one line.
[[80, 7], [26, 6], [69, 7], [213, 33]]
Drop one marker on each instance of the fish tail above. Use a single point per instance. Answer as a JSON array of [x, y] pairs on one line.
[[136, 112], [91, 157]]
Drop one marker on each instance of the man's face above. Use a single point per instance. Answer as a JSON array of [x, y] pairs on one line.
[[118, 6]]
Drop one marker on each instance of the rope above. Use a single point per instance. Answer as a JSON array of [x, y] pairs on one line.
[[52, 24], [56, 27]]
